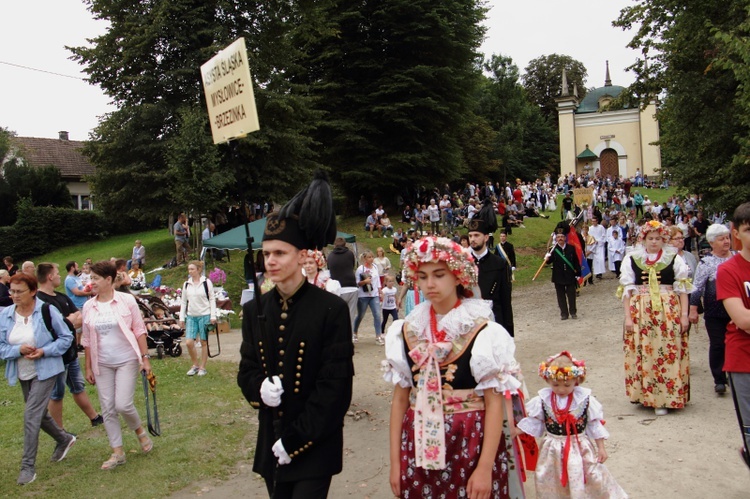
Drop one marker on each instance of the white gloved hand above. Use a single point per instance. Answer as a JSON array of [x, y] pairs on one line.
[[546, 257], [280, 453], [270, 391]]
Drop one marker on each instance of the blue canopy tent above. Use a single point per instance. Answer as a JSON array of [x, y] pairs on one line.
[[236, 238]]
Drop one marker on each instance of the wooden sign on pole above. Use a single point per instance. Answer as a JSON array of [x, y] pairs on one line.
[[229, 93]]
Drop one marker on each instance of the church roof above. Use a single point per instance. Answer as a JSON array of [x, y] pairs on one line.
[[590, 103]]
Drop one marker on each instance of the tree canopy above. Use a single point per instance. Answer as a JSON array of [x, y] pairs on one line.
[[694, 55], [388, 96], [525, 142], [542, 80]]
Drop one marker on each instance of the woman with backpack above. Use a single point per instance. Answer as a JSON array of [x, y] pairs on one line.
[[198, 309], [34, 358]]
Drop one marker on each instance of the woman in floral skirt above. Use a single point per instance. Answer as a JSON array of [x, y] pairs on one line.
[[655, 288], [453, 369]]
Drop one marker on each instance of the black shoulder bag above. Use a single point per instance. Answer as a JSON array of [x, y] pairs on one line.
[[71, 354]]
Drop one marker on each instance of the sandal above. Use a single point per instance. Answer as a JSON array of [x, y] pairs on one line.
[[114, 461], [146, 443]]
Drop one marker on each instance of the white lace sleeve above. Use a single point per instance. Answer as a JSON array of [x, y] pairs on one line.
[[682, 283], [627, 277], [492, 360], [533, 423], [594, 427], [395, 367]]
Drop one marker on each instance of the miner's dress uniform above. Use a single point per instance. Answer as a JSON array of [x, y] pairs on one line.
[[495, 284], [313, 351]]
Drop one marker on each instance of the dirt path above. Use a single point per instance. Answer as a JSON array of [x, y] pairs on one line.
[[690, 453]]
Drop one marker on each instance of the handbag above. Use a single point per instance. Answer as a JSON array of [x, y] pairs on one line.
[[71, 354]]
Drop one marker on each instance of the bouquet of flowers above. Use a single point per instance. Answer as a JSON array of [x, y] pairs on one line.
[[223, 315], [217, 276]]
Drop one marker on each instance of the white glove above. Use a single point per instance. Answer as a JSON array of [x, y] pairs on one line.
[[270, 391], [546, 257], [280, 453]]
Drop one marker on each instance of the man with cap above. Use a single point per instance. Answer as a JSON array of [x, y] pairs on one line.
[[494, 273], [296, 359], [565, 269]]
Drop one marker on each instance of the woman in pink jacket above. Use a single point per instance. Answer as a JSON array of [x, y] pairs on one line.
[[114, 337]]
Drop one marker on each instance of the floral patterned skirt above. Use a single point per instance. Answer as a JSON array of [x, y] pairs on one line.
[[657, 362], [463, 445], [598, 484]]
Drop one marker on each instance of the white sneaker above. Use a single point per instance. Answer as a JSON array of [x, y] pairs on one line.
[[193, 371], [661, 411], [202, 372], [379, 340], [355, 338]]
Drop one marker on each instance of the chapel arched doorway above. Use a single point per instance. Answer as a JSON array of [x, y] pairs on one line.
[[609, 163]]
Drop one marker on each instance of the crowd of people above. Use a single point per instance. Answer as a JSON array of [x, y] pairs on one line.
[[42, 332], [451, 359]]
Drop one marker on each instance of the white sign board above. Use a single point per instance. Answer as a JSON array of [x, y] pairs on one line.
[[229, 93]]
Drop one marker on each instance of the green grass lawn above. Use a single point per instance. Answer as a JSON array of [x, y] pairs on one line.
[[206, 425]]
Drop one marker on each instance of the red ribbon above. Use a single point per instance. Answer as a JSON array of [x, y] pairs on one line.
[[568, 421]]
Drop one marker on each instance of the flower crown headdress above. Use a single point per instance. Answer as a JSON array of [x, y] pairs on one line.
[[316, 255], [562, 373], [653, 225], [441, 249]]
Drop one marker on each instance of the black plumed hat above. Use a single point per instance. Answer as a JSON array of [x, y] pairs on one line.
[[307, 221]]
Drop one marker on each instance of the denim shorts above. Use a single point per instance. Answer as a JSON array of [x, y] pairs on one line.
[[73, 377], [196, 326]]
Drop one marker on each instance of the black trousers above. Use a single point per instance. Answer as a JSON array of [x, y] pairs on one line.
[[304, 489], [566, 299], [716, 328]]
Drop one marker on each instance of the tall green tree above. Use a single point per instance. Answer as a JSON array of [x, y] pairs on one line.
[[689, 59], [148, 62], [395, 80], [525, 142], [542, 80]]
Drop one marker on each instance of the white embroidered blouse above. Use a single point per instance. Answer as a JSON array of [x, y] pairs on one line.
[[493, 364], [533, 423]]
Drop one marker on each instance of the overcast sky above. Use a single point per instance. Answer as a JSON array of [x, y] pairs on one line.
[[34, 34]]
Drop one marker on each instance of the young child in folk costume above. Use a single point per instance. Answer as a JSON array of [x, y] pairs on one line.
[[454, 374], [569, 418]]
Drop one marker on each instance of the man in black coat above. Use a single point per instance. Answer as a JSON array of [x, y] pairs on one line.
[[565, 269], [494, 275], [507, 252], [297, 368]]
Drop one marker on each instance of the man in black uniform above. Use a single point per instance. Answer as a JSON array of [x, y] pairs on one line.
[[507, 252], [297, 368], [494, 274], [565, 269]]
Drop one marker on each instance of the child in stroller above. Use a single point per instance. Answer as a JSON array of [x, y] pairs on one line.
[[163, 332]]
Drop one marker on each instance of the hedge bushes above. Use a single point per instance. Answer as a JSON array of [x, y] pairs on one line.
[[39, 230]]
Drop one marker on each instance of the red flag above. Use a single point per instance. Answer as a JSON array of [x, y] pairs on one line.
[[575, 241]]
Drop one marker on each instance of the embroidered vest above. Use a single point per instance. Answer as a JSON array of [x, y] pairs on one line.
[[555, 428], [666, 275]]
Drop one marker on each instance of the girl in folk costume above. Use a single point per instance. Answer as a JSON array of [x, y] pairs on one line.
[[454, 374], [655, 288], [569, 418], [314, 267]]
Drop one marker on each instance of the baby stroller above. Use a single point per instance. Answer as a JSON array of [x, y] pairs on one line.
[[162, 329]]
